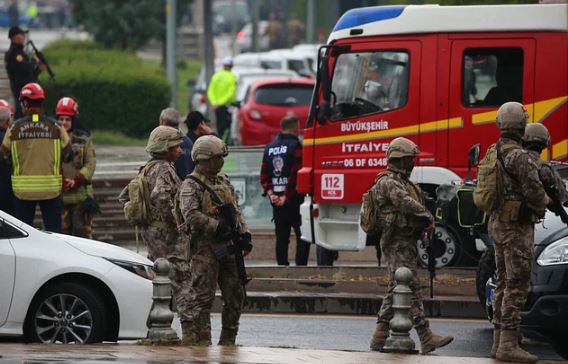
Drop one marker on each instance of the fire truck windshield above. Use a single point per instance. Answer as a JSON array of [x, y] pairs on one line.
[[369, 82]]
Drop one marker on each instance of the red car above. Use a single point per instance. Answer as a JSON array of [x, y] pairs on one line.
[[267, 102]]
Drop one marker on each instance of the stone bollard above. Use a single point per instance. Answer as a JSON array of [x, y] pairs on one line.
[[399, 340], [161, 316]]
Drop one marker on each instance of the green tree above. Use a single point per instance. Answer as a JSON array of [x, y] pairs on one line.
[[126, 24]]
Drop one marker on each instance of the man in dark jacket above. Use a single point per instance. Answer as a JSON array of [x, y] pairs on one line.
[[197, 126], [184, 164], [21, 68], [279, 171]]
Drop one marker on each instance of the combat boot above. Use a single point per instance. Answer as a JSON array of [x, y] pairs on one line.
[[228, 337], [509, 349], [430, 341], [496, 339], [380, 336], [189, 334], [204, 337]]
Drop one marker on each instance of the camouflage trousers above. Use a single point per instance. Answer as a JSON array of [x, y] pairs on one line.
[[513, 259], [76, 222], [180, 277], [206, 273], [401, 251]]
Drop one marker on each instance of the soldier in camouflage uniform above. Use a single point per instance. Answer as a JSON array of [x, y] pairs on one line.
[[161, 236], [76, 216], [535, 140], [403, 218], [209, 236], [512, 228]]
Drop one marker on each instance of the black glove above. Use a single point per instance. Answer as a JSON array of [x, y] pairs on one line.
[[90, 206], [246, 242], [223, 231]]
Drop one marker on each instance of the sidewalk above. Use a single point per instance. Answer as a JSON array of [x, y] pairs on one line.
[[131, 353]]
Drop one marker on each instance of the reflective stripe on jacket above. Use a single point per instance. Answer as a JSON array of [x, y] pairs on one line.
[[35, 143]]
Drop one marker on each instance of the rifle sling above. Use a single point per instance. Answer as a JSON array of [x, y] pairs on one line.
[[214, 196]]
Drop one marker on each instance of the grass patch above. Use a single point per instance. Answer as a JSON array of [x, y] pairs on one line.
[[115, 138]]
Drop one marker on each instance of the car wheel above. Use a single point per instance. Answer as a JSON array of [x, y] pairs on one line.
[[66, 313], [446, 248], [485, 270]]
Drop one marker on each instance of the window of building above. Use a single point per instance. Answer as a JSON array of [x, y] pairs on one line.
[[369, 82], [492, 76]]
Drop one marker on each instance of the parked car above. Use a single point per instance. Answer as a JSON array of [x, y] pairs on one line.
[[227, 13], [245, 79], [546, 309], [267, 102], [244, 37], [60, 288]]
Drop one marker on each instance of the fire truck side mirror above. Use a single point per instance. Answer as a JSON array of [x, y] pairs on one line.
[[473, 155]]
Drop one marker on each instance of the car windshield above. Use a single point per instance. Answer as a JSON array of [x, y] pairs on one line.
[[284, 95], [298, 66], [369, 82]]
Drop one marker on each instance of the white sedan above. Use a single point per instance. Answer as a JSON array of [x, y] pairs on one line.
[[60, 288]]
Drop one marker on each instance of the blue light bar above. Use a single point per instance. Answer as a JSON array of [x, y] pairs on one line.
[[360, 16]]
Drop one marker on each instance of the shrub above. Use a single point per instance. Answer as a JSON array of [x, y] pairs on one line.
[[115, 89]]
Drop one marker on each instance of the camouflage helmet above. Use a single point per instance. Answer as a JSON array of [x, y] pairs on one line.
[[207, 147], [537, 133], [163, 138], [512, 115], [402, 147]]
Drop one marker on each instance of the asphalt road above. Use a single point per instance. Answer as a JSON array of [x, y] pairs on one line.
[[472, 338]]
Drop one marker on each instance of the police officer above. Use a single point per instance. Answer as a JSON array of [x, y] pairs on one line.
[[512, 228], [36, 145], [535, 140], [222, 92], [76, 217], [199, 198], [184, 164], [279, 172], [6, 193], [404, 219], [21, 68]]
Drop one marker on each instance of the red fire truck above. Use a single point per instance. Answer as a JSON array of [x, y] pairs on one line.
[[434, 74]]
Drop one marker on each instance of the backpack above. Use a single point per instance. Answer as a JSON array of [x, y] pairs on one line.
[[370, 223], [488, 193], [137, 208]]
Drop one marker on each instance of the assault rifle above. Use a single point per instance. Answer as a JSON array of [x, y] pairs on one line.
[[241, 242], [40, 56], [427, 240], [556, 205]]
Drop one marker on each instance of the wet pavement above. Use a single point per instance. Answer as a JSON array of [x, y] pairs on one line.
[[132, 353], [283, 339]]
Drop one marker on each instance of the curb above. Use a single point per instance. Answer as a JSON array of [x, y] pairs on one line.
[[350, 304]]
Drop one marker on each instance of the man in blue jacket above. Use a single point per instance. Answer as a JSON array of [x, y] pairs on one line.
[[184, 164]]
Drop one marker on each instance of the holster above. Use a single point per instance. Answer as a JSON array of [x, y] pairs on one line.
[[517, 211]]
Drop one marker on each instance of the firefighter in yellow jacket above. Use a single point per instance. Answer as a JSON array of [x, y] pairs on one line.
[[36, 146], [78, 202]]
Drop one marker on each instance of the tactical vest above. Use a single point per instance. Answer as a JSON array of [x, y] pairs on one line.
[[223, 190], [390, 215], [36, 158]]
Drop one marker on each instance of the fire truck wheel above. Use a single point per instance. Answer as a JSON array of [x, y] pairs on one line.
[[447, 248]]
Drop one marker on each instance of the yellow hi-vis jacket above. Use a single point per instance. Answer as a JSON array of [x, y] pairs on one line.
[[222, 88], [36, 145]]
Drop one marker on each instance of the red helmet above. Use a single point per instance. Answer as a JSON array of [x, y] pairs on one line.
[[32, 91], [67, 106], [6, 104]]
